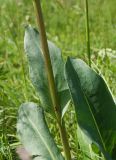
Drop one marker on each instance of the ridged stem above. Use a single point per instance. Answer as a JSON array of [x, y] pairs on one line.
[[88, 32], [52, 86]]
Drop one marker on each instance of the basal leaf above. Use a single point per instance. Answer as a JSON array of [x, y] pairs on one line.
[[38, 74], [34, 134], [100, 100], [94, 105]]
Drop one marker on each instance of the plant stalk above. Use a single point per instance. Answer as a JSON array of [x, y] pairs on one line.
[[52, 86], [88, 32]]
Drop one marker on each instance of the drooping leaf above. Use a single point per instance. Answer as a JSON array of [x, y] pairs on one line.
[[38, 74], [34, 134], [94, 105]]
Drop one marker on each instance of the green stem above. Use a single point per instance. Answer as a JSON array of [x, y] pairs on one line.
[[52, 86], [87, 32]]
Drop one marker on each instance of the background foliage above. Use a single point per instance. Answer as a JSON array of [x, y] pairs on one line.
[[65, 25]]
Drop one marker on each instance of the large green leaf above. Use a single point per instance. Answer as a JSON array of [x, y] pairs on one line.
[[38, 72], [34, 133], [94, 105]]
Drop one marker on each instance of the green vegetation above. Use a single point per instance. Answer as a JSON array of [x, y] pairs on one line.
[[65, 25]]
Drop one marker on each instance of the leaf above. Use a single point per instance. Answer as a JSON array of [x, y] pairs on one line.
[[94, 105], [100, 98], [37, 69], [34, 134]]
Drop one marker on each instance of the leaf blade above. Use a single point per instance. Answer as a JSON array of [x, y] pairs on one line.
[[38, 74], [101, 100], [83, 108], [34, 133]]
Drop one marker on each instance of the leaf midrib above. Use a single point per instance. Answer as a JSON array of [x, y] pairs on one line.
[[94, 118], [95, 122]]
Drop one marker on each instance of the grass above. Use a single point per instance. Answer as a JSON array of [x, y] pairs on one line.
[[65, 25]]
